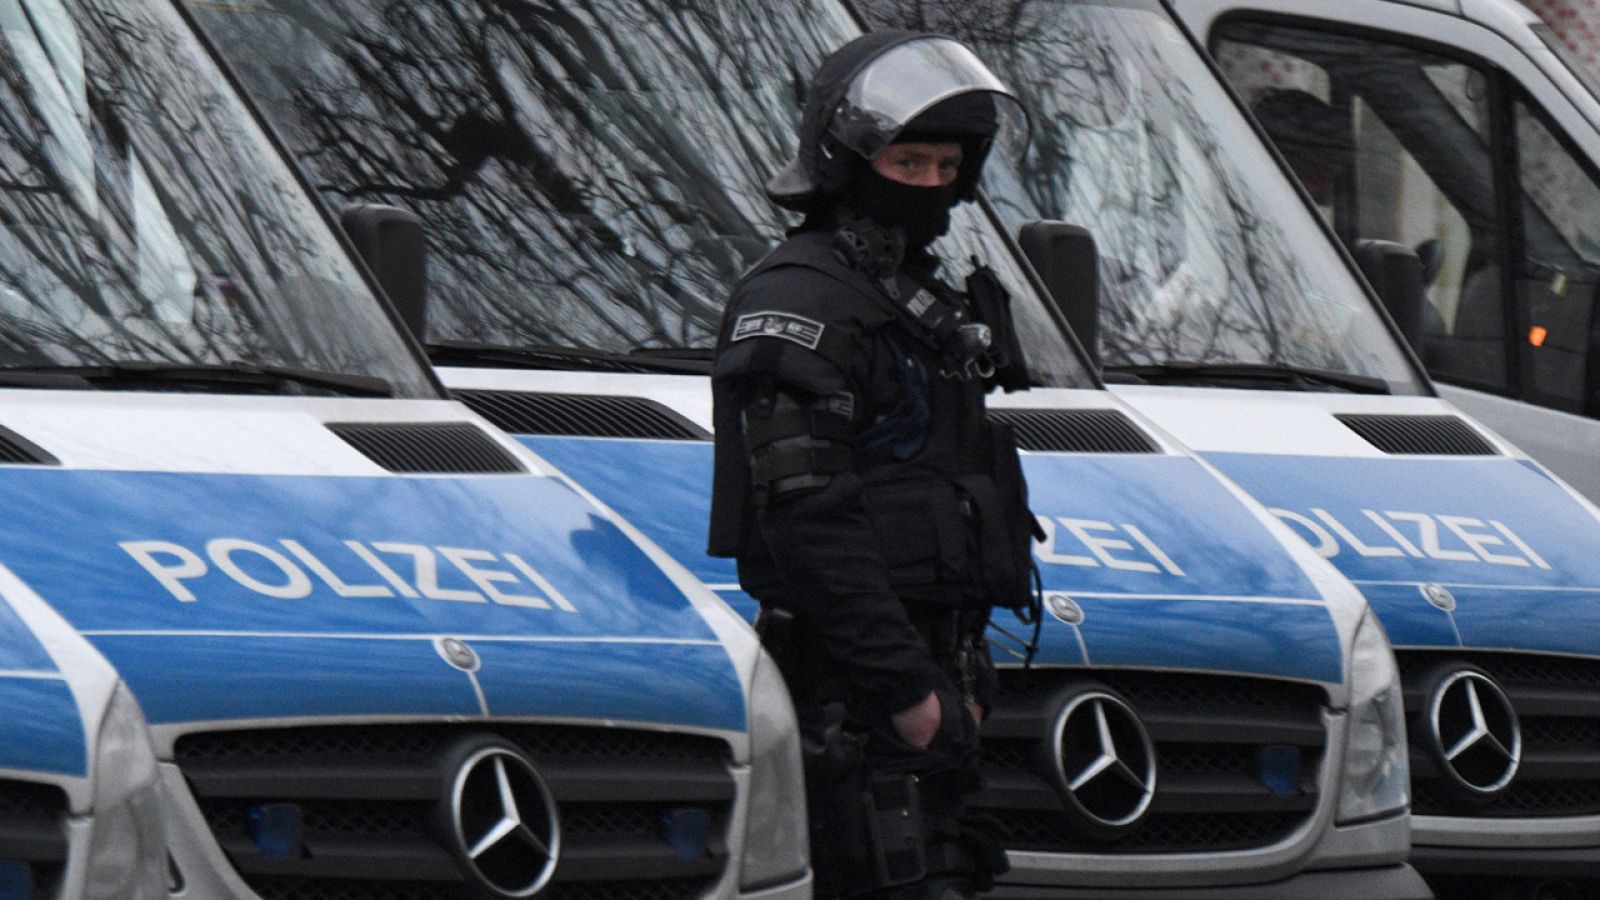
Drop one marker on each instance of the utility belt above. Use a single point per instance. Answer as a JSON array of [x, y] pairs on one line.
[[963, 541]]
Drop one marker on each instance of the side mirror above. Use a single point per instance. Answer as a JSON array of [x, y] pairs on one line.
[[392, 242], [1396, 273], [1068, 263]]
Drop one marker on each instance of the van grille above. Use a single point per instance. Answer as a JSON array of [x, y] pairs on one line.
[[32, 817], [613, 789], [1208, 732], [1075, 431], [1419, 435], [428, 448], [580, 415], [1557, 700]]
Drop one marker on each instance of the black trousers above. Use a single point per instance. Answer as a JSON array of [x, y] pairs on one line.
[[859, 772]]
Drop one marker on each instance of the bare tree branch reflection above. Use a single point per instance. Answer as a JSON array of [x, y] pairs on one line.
[[1195, 266], [139, 222], [591, 172]]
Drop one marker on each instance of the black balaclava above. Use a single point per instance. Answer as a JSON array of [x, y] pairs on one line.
[[923, 213]]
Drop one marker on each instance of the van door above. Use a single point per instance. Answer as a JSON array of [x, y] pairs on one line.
[[1448, 151]]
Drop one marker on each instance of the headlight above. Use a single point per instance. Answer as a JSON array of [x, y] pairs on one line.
[[1377, 778], [775, 846], [127, 855]]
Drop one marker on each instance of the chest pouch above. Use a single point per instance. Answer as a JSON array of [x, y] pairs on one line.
[[1005, 528], [991, 306]]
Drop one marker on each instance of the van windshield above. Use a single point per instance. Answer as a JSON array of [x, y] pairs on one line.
[[590, 171], [1212, 269], [148, 231]]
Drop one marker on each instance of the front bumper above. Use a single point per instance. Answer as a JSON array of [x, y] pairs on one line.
[[1508, 848], [797, 890], [1389, 883], [1368, 858]]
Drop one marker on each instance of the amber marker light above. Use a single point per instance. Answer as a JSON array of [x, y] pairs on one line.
[[1537, 334]]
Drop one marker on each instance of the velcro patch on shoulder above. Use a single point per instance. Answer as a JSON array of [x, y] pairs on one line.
[[798, 329]]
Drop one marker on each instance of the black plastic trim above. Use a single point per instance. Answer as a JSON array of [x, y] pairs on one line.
[[613, 786], [1208, 731], [1075, 431], [1405, 435], [580, 415], [429, 448], [18, 450]]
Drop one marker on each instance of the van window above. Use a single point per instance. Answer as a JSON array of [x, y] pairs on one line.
[[1559, 273], [591, 172], [146, 221], [1209, 263], [1429, 173]]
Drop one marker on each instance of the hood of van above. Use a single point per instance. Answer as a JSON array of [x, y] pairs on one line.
[[1474, 553], [44, 732], [1485, 552], [233, 597], [1150, 560]]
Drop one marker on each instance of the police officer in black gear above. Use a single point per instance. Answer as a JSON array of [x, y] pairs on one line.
[[873, 509]]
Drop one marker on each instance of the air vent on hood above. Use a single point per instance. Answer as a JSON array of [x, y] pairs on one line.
[[18, 450], [459, 448], [1075, 430], [1419, 435], [581, 415]]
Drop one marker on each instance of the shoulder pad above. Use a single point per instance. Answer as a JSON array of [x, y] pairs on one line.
[[807, 262]]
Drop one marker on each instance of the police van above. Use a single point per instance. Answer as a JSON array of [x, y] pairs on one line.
[[590, 176], [382, 649], [78, 791], [1470, 131], [1230, 317]]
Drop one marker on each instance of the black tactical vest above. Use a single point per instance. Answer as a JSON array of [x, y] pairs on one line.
[[942, 486]]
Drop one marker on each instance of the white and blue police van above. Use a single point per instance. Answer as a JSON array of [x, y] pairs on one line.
[[382, 650], [1211, 710], [79, 797], [1230, 316], [1504, 215]]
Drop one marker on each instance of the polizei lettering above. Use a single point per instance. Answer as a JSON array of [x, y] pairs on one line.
[[1391, 533], [288, 570], [1107, 544]]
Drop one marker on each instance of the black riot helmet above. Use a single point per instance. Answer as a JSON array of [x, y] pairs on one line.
[[892, 85]]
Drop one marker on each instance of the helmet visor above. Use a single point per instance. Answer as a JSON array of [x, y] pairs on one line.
[[892, 90]]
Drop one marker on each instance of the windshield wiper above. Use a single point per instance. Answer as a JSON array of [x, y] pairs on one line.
[[135, 374], [536, 356], [1284, 377]]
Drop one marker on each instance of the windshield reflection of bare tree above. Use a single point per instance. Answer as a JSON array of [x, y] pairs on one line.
[[1191, 270], [588, 172], [72, 237]]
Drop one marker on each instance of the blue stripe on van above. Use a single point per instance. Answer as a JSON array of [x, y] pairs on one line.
[[669, 684], [248, 586], [1520, 555], [1274, 639], [75, 559], [43, 731], [189, 678], [19, 649], [1213, 547]]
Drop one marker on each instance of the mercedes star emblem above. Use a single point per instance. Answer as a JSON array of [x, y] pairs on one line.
[[1473, 732], [1105, 763], [504, 822], [1063, 607]]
